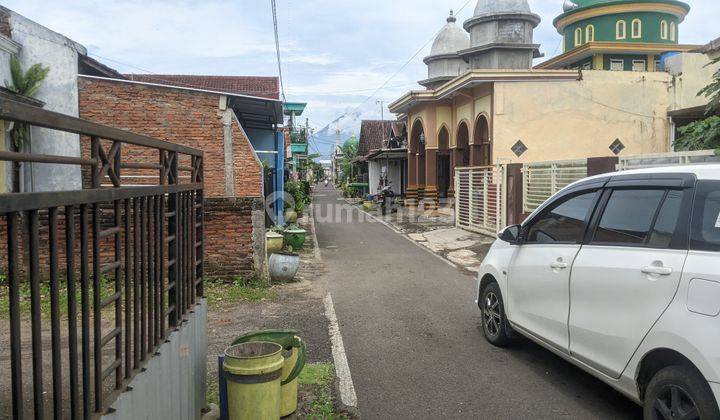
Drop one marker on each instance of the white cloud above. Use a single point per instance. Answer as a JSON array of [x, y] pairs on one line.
[[335, 53]]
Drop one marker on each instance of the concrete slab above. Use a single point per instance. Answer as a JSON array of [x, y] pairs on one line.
[[417, 237], [464, 257]]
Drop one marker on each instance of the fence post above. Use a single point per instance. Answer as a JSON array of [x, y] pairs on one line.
[[602, 165], [471, 195], [515, 190], [173, 251], [486, 186], [456, 181]]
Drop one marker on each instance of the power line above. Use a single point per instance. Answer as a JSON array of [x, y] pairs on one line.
[[409, 60], [277, 48]]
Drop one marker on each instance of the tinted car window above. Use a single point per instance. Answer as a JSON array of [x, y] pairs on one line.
[[563, 223], [628, 217], [667, 221], [706, 217]]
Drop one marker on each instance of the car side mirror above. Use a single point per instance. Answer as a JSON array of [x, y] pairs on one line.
[[510, 234]]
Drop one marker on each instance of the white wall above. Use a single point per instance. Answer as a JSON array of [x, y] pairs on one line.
[[394, 175], [59, 91]]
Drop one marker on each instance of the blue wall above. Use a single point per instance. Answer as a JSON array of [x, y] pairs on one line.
[[263, 140]]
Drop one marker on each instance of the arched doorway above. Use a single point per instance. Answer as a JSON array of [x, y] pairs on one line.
[[481, 150], [416, 159], [443, 162], [462, 152]]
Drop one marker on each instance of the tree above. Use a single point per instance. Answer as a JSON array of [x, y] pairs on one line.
[[26, 84], [704, 134], [350, 151]]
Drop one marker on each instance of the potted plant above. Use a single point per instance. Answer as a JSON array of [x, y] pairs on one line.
[[295, 237], [274, 241], [283, 266]]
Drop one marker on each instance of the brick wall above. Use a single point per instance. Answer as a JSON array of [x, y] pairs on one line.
[[183, 117], [5, 28], [231, 248], [195, 120]]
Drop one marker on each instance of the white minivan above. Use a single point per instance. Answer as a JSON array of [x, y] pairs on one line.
[[620, 275]]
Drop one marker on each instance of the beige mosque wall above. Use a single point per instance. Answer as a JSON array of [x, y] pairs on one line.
[[578, 119], [444, 116], [483, 105], [694, 72]]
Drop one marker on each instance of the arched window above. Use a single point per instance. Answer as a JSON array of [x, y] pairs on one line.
[[443, 139], [578, 37], [620, 29], [664, 30], [673, 31], [590, 33], [637, 28]]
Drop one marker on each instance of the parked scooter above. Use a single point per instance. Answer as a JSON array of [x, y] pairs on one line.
[[386, 199]]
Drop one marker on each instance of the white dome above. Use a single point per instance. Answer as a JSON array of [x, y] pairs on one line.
[[450, 40], [486, 7]]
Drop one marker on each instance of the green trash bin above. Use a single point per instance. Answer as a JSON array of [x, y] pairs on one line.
[[295, 353], [253, 371]]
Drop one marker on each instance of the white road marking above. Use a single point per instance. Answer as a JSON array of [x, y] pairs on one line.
[[342, 369]]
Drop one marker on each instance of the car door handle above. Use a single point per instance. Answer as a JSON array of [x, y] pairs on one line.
[[558, 265], [661, 271]]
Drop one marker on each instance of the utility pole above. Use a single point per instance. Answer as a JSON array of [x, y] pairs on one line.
[[382, 117]]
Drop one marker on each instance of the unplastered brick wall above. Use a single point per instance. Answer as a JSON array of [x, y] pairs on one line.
[[179, 116], [229, 228], [193, 119]]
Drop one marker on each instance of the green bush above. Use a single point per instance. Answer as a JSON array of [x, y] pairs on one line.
[[298, 192]]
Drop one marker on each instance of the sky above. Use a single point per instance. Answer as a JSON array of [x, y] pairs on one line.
[[339, 56]]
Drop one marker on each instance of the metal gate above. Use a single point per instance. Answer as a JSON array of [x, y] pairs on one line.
[[655, 160], [480, 196], [542, 180]]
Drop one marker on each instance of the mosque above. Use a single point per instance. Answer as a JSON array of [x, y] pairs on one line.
[[610, 92]]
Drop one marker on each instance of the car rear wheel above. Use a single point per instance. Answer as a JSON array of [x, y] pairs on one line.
[[493, 316], [679, 392]]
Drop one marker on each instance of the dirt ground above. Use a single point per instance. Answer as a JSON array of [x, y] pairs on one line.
[[298, 305]]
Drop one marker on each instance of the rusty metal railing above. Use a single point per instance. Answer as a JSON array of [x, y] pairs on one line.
[[128, 260]]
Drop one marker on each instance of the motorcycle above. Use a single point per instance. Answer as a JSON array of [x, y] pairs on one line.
[[386, 199]]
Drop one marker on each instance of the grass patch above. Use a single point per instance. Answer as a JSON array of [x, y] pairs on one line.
[[252, 289], [317, 374], [212, 393], [107, 288], [315, 388]]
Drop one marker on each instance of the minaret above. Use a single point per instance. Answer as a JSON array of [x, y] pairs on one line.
[[501, 35], [444, 63]]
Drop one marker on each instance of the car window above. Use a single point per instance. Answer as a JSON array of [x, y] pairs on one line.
[[667, 221], [628, 217], [563, 223], [706, 217]]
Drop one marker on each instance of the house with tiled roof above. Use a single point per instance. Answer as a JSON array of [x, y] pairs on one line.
[[263, 87], [382, 155], [235, 120]]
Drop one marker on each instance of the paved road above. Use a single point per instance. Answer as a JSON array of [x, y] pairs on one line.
[[414, 342]]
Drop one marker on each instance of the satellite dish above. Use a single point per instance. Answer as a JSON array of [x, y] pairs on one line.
[[569, 5]]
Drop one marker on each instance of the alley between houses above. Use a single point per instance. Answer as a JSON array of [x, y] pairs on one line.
[[413, 339]]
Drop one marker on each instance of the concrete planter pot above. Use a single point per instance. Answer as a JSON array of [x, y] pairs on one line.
[[274, 242], [291, 216], [295, 238], [283, 267]]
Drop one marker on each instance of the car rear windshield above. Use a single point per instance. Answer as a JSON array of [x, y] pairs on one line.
[[706, 217]]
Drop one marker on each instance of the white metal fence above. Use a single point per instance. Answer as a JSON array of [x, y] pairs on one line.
[[541, 180], [480, 198], [627, 163]]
